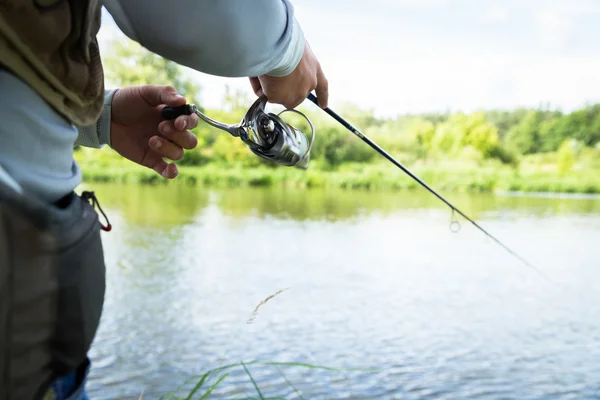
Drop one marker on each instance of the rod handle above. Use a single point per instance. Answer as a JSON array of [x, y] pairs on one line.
[[171, 113]]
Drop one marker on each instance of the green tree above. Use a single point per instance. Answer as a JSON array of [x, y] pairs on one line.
[[588, 125], [420, 133], [525, 136], [448, 135], [480, 134], [127, 63], [506, 154], [566, 156], [582, 125], [463, 130], [504, 121], [407, 134], [335, 146], [231, 150]]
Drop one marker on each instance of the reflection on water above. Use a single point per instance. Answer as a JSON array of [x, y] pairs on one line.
[[146, 205], [376, 280], [178, 204]]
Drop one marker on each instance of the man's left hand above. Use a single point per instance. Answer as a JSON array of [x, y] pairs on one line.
[[138, 132]]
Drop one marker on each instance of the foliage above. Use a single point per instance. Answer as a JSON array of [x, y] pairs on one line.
[[504, 120], [582, 125], [128, 64], [504, 147], [525, 136], [465, 131], [335, 147], [566, 156], [532, 176]]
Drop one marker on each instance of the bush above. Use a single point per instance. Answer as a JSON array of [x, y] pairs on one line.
[[506, 154], [566, 157]]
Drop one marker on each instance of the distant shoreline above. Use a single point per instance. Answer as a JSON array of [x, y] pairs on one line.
[[499, 181]]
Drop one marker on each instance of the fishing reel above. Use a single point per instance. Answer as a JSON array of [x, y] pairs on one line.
[[266, 134]]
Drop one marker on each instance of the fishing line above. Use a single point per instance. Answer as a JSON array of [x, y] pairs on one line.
[[376, 147], [454, 223]]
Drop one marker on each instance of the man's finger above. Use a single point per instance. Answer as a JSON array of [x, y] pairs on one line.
[[161, 167], [295, 103], [191, 121], [322, 89], [184, 122], [166, 170], [156, 95], [166, 148], [256, 86], [170, 172], [168, 95], [180, 123], [185, 139]]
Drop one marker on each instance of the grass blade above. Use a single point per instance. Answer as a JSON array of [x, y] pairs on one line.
[[213, 386], [253, 382], [255, 312], [304, 365], [290, 383], [198, 386], [201, 376]]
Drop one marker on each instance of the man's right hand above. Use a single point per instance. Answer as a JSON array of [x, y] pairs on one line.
[[291, 90]]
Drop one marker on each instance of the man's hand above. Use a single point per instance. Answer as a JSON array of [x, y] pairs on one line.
[[138, 133], [292, 90]]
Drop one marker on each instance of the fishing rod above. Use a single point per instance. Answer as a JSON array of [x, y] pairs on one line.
[[384, 153], [271, 138]]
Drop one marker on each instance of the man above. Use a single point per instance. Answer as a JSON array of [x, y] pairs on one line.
[[52, 96]]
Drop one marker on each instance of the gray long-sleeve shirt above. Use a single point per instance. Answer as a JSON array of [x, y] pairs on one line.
[[229, 38]]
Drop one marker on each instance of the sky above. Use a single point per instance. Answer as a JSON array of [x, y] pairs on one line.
[[398, 57]]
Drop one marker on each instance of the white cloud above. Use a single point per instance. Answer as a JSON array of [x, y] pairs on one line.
[[496, 14], [555, 27]]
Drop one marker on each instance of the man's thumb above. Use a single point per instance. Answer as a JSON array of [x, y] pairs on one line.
[[170, 97], [158, 95]]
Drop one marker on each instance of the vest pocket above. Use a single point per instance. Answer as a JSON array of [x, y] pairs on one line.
[[81, 273]]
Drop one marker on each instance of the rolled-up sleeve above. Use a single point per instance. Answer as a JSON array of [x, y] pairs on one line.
[[228, 38]]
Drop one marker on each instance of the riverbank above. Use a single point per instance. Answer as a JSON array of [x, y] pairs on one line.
[[380, 176]]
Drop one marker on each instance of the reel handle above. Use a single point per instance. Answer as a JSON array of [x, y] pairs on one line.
[[171, 113]]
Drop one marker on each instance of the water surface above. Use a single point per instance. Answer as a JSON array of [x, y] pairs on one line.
[[375, 280]]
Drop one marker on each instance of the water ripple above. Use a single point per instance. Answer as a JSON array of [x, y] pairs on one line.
[[419, 313]]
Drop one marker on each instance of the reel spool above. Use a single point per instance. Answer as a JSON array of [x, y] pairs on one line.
[[266, 134]]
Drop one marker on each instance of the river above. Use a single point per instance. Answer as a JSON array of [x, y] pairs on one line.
[[378, 287]]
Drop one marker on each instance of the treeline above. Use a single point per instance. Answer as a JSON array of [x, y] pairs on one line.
[[503, 137], [500, 136]]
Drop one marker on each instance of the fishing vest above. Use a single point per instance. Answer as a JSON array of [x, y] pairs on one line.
[[52, 46], [52, 286]]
